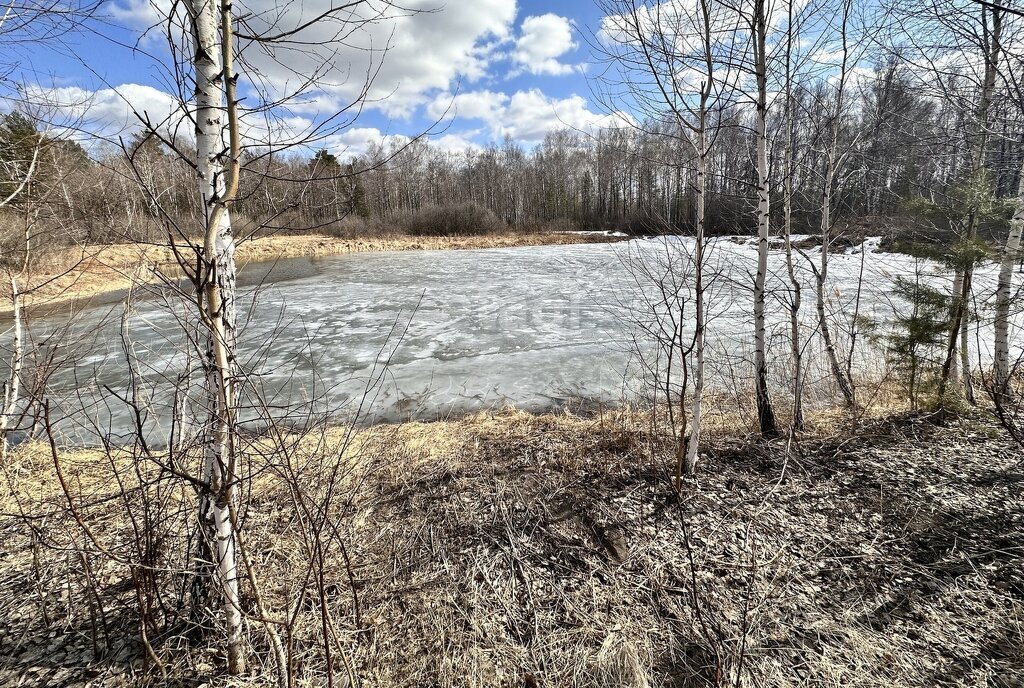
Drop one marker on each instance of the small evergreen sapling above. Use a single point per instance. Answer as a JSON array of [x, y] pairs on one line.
[[914, 345]]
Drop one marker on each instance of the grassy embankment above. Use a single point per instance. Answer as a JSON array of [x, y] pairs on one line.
[[512, 549]]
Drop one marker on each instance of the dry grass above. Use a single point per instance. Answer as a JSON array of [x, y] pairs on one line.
[[512, 549], [75, 275]]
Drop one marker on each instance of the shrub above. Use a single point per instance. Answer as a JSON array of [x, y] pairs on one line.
[[355, 226], [449, 220]]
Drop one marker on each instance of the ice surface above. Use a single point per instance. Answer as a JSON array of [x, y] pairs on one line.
[[423, 334]]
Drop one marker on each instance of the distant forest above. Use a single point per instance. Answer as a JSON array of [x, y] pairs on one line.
[[905, 165]]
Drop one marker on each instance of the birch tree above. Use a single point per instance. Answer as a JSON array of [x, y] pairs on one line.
[[759, 39], [673, 62], [18, 176], [205, 42], [217, 167], [702, 150], [1011, 254], [25, 22], [955, 49]]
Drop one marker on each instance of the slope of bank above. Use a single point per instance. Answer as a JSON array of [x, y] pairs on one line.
[[73, 276], [512, 549]]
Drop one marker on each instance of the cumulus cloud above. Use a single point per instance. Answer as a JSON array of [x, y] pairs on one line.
[[456, 143], [407, 52], [357, 140], [531, 114], [425, 54], [543, 39], [469, 105], [114, 113], [110, 113], [526, 115]]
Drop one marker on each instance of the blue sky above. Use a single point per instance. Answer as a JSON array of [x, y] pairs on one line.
[[498, 67]]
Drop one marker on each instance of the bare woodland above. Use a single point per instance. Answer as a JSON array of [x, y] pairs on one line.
[[772, 511]]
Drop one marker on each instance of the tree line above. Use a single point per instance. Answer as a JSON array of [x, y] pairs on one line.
[[907, 167]]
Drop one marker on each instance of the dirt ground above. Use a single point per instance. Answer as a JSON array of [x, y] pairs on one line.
[[77, 274], [512, 549]]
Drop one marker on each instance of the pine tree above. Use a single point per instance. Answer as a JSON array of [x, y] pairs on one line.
[[915, 344]]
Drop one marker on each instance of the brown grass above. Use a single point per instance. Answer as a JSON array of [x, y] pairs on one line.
[[73, 276], [510, 549]]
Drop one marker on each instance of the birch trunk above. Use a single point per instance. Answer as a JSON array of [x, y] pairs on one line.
[[821, 276], [1011, 254], [765, 414], [690, 464], [12, 386], [703, 152], [787, 230], [213, 120]]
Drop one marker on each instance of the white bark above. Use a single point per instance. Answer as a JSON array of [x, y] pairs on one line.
[[1011, 254], [796, 356], [690, 464], [765, 414], [703, 153], [12, 386], [821, 274], [212, 117]]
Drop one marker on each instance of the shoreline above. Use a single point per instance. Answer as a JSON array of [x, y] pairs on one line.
[[90, 273]]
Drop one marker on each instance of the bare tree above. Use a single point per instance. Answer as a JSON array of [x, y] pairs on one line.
[[831, 163], [758, 22], [205, 38], [991, 48], [21, 179], [218, 137], [788, 172], [24, 23], [1009, 259], [673, 63]]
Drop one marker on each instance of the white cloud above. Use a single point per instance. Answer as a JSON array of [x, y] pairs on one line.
[[677, 20], [481, 105], [109, 113], [411, 49], [455, 143], [531, 114], [427, 53], [113, 113], [526, 115], [544, 38], [358, 140]]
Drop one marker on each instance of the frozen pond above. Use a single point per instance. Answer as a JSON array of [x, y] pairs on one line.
[[424, 334]]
